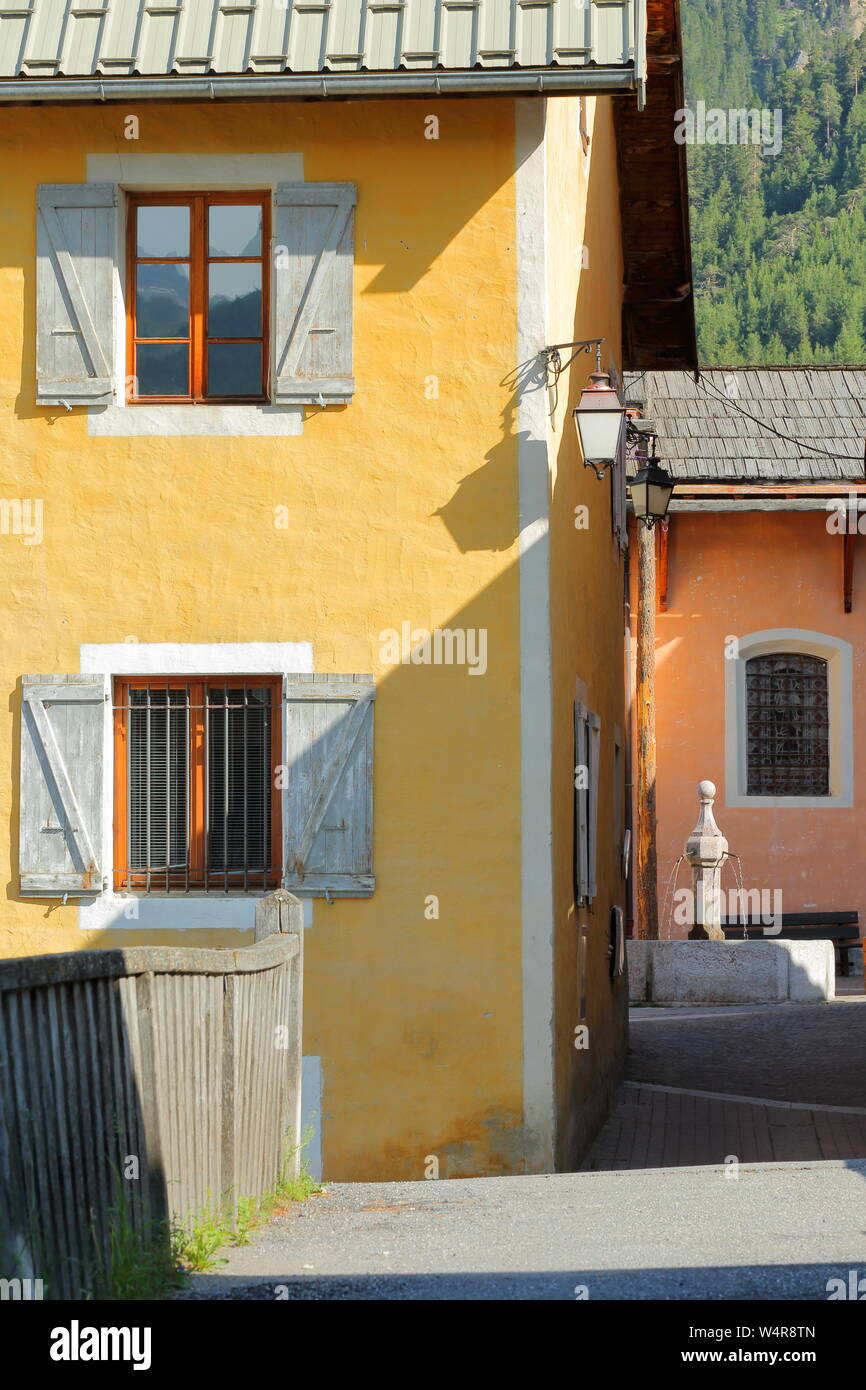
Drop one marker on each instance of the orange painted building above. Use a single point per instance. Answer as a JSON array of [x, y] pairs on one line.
[[761, 629]]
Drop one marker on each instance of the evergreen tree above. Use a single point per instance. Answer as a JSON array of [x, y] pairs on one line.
[[779, 235]]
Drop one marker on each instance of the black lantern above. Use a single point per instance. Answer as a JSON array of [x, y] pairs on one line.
[[651, 491]]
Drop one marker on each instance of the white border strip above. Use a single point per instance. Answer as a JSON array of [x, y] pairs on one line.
[[536, 732]]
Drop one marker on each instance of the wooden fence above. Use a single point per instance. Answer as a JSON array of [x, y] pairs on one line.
[[143, 1084]]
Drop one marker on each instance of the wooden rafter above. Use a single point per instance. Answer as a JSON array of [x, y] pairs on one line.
[[848, 570], [662, 575]]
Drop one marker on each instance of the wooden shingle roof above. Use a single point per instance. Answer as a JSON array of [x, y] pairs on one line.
[[706, 434]]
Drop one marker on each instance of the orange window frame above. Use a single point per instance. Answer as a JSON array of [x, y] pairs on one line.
[[200, 878], [199, 260]]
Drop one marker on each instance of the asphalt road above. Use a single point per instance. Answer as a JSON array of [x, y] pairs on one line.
[[775, 1232], [812, 1054]]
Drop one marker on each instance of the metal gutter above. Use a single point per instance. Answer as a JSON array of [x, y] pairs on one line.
[[640, 57], [244, 86]]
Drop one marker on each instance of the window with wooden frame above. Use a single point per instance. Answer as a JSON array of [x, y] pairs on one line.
[[198, 294], [197, 806]]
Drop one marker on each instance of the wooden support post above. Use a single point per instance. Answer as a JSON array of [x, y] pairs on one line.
[[664, 542], [848, 570], [646, 867]]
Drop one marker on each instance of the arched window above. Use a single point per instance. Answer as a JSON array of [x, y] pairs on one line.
[[787, 725]]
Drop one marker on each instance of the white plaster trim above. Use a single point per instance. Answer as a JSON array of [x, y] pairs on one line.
[[536, 731], [839, 657], [147, 172], [196, 658], [163, 172], [176, 911], [311, 1114], [225, 421]]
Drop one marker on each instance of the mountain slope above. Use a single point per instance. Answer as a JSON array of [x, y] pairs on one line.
[[779, 242]]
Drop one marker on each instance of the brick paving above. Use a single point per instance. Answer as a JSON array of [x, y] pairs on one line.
[[763, 1084], [664, 1127]]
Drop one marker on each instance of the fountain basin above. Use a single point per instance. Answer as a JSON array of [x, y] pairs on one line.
[[731, 972]]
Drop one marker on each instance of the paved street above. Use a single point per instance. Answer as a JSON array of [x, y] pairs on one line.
[[763, 1083], [775, 1232], [660, 1126], [656, 1213], [808, 1053]]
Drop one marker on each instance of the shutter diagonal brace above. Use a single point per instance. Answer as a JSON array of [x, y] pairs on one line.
[[86, 326], [352, 727], [54, 759], [314, 288]]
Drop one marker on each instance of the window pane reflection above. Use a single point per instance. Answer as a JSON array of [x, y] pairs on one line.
[[162, 301], [234, 369], [234, 301], [162, 231], [162, 369], [234, 230]]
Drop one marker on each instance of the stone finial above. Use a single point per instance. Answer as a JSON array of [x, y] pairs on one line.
[[706, 820]]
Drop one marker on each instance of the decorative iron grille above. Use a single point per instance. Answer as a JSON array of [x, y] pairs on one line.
[[787, 725], [199, 786]]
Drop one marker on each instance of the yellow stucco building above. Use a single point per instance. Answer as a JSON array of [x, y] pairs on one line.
[[302, 572]]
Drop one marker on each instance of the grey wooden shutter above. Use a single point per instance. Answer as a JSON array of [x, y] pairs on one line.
[[593, 728], [618, 509], [581, 805], [328, 797], [62, 754], [314, 227], [587, 745], [75, 254]]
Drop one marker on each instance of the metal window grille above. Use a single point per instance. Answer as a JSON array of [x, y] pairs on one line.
[[227, 845], [787, 725]]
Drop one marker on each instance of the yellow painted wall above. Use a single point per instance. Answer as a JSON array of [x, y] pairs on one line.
[[417, 1022], [585, 290], [402, 508]]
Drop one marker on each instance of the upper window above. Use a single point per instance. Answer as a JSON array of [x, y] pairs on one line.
[[196, 805], [198, 295], [788, 727]]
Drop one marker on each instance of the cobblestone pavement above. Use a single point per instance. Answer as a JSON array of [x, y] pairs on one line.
[[814, 1054], [760, 1083], [662, 1127]]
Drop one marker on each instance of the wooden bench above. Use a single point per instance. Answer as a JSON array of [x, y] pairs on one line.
[[842, 928]]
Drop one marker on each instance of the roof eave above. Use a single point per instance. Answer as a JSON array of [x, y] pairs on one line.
[[586, 80]]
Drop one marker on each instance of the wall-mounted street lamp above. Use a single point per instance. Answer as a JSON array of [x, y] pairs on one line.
[[600, 420], [651, 488], [600, 414]]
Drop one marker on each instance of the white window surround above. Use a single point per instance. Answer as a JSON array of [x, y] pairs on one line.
[[178, 911], [163, 173], [839, 657]]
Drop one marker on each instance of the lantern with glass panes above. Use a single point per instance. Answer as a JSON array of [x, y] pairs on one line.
[[652, 486]]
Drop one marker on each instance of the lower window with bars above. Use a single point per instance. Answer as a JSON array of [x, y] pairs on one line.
[[787, 725], [196, 801]]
